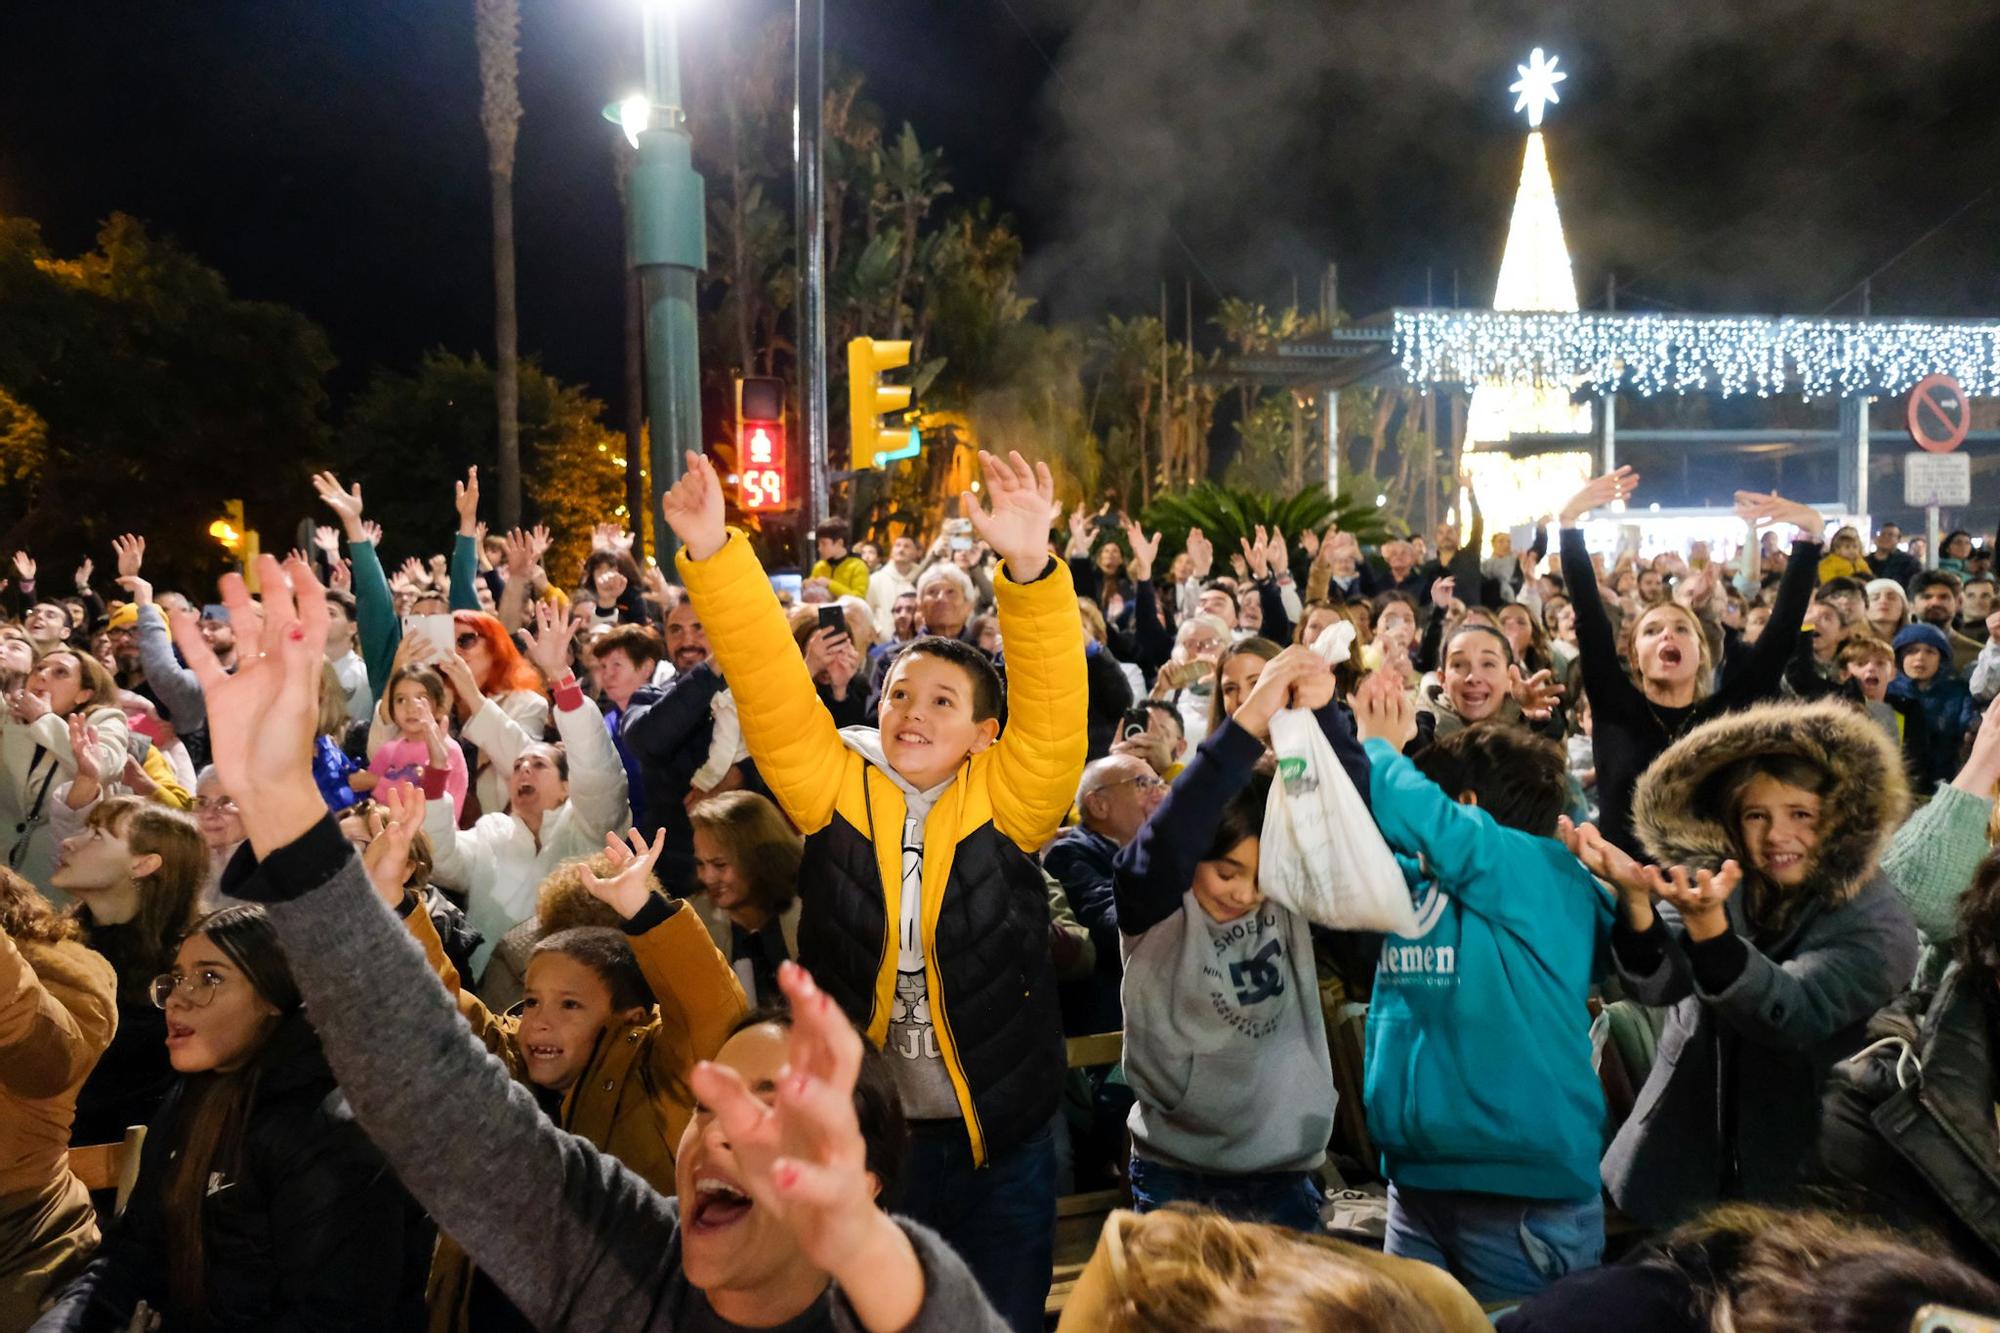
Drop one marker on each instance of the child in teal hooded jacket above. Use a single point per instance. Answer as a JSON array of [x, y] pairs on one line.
[[1479, 1085]]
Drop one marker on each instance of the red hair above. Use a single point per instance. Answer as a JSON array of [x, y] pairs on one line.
[[511, 671]]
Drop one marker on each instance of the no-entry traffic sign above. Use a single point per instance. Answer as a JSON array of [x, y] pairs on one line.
[[1940, 415]]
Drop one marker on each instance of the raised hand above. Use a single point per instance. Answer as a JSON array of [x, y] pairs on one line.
[[1309, 539], [83, 744], [1383, 711], [631, 883], [399, 814], [1537, 695], [1256, 553], [414, 573], [1757, 508], [1200, 552], [693, 509], [804, 1163], [131, 553], [327, 539], [465, 499], [341, 575], [540, 538], [549, 644], [1014, 521], [83, 573], [1277, 555], [1442, 591], [345, 503], [1145, 550], [262, 718], [458, 674], [1700, 901], [1598, 492], [24, 565], [371, 531], [1079, 530]]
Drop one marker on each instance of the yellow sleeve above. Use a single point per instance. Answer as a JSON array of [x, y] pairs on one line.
[[1039, 757], [698, 991], [797, 748], [170, 793]]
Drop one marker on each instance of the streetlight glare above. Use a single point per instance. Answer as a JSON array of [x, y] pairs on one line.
[[635, 116]]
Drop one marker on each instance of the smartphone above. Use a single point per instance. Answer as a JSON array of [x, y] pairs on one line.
[[833, 618], [440, 630], [1135, 722], [961, 543]]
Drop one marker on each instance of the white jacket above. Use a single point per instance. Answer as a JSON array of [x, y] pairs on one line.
[[498, 864], [35, 760]]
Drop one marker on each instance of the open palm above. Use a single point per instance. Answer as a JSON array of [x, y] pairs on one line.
[[1017, 524], [262, 718]]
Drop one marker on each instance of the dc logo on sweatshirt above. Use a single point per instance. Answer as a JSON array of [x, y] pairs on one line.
[[1260, 976]]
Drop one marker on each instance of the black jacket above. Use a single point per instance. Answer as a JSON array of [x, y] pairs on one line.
[[670, 736], [1907, 1133], [1080, 859], [304, 1227]]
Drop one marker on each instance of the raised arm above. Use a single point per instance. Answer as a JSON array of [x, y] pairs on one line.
[[1604, 675], [1764, 666], [1040, 755], [465, 546]]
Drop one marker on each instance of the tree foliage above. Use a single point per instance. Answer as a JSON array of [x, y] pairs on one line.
[[1228, 515], [136, 393], [410, 437]]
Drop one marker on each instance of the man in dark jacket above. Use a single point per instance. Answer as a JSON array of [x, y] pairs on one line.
[[1116, 797], [670, 737], [1888, 560]]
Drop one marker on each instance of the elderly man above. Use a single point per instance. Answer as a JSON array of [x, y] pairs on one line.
[[1116, 796], [945, 600], [1398, 572]]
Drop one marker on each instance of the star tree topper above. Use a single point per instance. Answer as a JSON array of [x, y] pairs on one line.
[[1536, 86]]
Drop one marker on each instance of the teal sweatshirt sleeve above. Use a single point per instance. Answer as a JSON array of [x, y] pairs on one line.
[[1474, 859], [1931, 859], [464, 574], [374, 614]]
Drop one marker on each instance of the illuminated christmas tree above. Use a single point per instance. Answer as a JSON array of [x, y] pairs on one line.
[[1534, 275]]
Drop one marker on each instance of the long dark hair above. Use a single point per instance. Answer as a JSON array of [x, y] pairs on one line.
[[216, 1105]]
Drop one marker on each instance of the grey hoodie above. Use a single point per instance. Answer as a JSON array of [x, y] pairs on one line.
[[922, 1080], [572, 1237]]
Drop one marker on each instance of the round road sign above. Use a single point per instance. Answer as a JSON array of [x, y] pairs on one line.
[[1940, 415]]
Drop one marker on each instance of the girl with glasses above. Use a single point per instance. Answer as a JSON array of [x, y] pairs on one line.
[[260, 1203]]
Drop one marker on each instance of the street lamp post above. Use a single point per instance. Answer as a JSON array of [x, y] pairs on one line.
[[669, 247]]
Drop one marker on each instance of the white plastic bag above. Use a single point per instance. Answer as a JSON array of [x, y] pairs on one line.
[[1320, 853]]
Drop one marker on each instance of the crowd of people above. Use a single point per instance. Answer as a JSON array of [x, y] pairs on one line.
[[485, 950]]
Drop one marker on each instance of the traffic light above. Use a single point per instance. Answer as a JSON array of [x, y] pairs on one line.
[[230, 529], [761, 475], [873, 441]]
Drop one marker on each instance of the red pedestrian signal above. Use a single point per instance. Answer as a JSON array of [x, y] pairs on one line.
[[760, 467]]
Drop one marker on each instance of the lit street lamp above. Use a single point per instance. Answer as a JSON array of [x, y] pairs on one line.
[[668, 247]]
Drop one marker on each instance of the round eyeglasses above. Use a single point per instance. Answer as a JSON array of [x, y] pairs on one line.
[[197, 988]]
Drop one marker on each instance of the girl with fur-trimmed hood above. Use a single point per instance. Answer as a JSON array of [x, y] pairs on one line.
[[1765, 925]]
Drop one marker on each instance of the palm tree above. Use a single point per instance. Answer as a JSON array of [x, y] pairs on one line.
[[497, 29], [910, 181]]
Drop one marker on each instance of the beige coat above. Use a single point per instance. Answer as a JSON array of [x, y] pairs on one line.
[[58, 1009]]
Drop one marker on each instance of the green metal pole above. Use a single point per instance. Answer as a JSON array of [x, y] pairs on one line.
[[669, 248]]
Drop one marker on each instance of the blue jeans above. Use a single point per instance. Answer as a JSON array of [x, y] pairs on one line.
[[1500, 1248], [1000, 1218], [1284, 1198]]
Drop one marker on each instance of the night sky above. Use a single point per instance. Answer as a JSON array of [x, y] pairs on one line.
[[1716, 155]]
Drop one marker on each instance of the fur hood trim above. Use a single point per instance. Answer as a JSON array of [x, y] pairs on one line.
[[1680, 823]]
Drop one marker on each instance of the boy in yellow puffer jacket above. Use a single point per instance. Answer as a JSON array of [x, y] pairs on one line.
[[924, 913]]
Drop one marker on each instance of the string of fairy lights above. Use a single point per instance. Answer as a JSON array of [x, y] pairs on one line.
[[1661, 353]]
